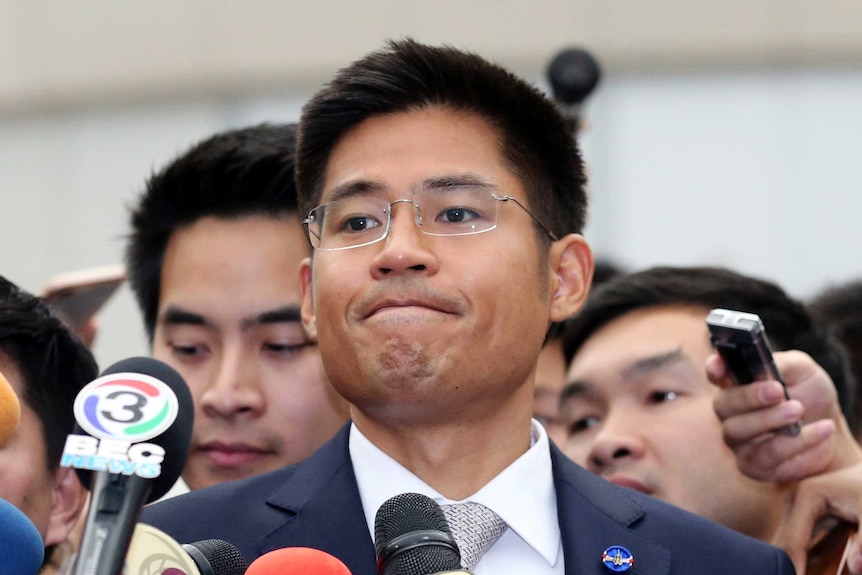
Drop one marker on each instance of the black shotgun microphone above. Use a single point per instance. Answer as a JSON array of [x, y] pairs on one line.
[[573, 74], [412, 537], [134, 426]]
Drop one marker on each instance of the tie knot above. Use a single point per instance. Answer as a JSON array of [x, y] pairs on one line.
[[475, 528]]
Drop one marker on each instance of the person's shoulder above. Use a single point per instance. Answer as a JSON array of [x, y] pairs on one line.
[[216, 512], [692, 541], [695, 540]]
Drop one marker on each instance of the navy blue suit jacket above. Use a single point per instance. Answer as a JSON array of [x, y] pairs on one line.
[[316, 503]]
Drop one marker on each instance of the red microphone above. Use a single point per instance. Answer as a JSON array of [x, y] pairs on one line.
[[297, 561]]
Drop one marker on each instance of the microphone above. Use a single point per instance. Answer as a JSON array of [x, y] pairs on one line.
[[573, 74], [216, 557], [20, 541], [154, 551], [10, 411], [134, 426], [297, 561], [412, 537]]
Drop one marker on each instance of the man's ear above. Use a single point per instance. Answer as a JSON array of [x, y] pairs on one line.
[[571, 261], [68, 499], [307, 310]]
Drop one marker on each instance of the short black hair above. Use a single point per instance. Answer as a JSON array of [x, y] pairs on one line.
[[238, 173], [840, 306], [788, 323], [535, 140], [54, 364]]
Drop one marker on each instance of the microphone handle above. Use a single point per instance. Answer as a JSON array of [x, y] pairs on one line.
[[115, 506]]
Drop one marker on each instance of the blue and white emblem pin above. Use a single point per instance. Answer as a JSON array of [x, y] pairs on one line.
[[617, 559]]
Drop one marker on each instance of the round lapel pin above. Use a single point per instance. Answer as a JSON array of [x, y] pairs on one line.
[[617, 559]]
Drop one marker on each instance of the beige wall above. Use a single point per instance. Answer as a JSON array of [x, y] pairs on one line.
[[62, 55]]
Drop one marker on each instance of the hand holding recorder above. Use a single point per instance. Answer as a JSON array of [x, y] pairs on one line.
[[782, 393]]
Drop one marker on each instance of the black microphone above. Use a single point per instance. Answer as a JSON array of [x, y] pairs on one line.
[[133, 432], [412, 537], [154, 551], [216, 557], [573, 74]]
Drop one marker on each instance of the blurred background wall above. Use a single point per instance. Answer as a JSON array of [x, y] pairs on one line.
[[722, 132]]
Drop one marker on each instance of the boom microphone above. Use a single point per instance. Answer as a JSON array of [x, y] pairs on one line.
[[137, 421], [412, 537], [20, 542], [10, 411], [573, 74], [154, 551], [297, 561]]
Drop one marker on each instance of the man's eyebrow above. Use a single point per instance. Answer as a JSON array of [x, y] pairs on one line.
[[178, 316], [355, 188], [576, 389], [286, 314], [641, 367], [463, 180], [652, 363], [446, 181]]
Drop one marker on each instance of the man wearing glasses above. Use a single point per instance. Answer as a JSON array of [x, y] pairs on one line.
[[445, 200]]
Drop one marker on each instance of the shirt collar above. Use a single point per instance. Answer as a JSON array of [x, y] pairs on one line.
[[522, 494]]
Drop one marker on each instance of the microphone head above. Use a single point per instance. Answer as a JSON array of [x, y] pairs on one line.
[[216, 557], [297, 561], [175, 439], [10, 411], [412, 537], [573, 74], [23, 549]]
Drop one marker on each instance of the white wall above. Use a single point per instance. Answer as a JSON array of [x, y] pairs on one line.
[[757, 170]]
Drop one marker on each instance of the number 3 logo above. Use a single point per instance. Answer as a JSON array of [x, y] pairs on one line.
[[127, 406]]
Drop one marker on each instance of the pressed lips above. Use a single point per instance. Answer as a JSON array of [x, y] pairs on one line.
[[233, 454], [630, 483]]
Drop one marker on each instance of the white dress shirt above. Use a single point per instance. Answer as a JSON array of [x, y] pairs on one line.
[[523, 495]]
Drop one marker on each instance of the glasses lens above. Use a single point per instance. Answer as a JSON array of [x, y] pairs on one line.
[[457, 211], [347, 223]]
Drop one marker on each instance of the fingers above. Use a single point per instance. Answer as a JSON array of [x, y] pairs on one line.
[[781, 458], [836, 495], [749, 411], [854, 559]]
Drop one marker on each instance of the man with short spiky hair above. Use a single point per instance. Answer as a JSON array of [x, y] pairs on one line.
[[46, 366], [213, 260], [445, 200]]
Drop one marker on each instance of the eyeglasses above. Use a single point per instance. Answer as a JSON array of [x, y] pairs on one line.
[[357, 221]]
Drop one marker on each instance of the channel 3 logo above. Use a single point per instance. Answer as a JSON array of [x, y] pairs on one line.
[[126, 406], [121, 412]]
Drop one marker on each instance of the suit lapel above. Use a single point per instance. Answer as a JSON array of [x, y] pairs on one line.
[[595, 515], [322, 509]]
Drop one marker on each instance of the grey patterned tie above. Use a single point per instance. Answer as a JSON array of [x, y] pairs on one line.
[[475, 528]]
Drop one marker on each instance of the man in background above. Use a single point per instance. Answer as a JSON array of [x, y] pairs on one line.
[[840, 307], [638, 407], [46, 366], [213, 259]]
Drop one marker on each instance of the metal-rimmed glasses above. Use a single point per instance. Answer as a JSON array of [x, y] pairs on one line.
[[360, 220]]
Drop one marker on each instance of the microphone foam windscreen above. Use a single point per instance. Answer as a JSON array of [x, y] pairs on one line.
[[176, 439], [20, 542], [432, 550], [573, 74], [216, 556], [10, 411], [297, 561]]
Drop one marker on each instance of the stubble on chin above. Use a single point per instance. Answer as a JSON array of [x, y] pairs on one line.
[[401, 364]]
